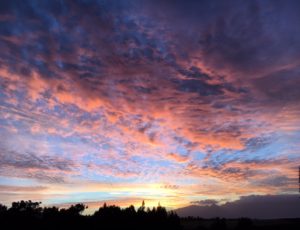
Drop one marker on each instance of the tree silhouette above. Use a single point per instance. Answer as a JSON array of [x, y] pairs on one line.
[[28, 214], [74, 210], [142, 207], [3, 208], [26, 206]]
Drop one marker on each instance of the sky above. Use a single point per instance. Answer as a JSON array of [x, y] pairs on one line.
[[176, 102]]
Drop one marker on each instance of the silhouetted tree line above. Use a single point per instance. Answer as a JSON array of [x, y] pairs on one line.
[[30, 215]]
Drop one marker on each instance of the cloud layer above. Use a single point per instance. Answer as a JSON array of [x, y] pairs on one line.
[[188, 98]]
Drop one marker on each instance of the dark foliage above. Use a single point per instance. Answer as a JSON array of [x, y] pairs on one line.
[[29, 215], [193, 223]]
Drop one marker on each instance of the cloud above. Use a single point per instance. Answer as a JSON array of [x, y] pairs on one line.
[[178, 157], [9, 188], [44, 168], [208, 202], [33, 161], [126, 91]]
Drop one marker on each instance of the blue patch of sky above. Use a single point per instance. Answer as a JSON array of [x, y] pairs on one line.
[[79, 197], [18, 181], [181, 150], [198, 156]]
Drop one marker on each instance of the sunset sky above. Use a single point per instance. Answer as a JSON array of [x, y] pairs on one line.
[[177, 102]]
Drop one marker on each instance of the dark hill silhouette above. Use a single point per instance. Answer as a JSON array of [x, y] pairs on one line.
[[258, 207]]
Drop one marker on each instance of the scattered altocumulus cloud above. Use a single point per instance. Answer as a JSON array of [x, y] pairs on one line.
[[165, 101]]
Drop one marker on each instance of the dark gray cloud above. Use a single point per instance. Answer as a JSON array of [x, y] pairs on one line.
[[34, 161], [257, 143], [281, 87], [200, 87], [207, 202], [277, 181]]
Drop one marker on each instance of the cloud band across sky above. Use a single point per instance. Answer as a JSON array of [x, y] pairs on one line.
[[168, 101]]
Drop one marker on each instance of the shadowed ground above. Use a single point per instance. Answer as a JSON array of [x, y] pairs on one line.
[[29, 215]]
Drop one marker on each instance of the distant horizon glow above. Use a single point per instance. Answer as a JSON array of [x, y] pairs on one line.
[[164, 101]]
